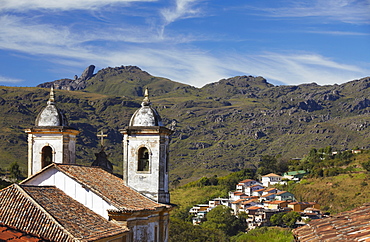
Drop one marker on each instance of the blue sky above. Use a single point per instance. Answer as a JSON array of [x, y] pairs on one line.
[[190, 41]]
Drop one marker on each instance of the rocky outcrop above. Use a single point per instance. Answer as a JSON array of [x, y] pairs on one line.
[[309, 105], [78, 83]]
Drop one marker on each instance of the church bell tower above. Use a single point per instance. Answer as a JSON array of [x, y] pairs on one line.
[[51, 139], [146, 153]]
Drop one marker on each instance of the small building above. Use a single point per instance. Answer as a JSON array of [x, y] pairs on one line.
[[219, 201], [271, 179], [284, 196], [295, 175], [301, 206], [275, 204], [242, 185]]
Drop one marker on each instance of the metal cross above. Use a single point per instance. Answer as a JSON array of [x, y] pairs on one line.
[[102, 135]]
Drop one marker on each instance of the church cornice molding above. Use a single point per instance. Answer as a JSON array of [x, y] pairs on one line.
[[146, 130]]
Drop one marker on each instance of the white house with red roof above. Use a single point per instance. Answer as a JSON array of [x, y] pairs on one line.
[[271, 179]]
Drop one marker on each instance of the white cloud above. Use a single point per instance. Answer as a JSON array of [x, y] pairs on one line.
[[297, 68], [9, 80], [182, 9], [63, 5], [350, 11], [338, 33]]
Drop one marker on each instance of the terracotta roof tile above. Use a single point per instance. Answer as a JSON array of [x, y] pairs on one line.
[[271, 174], [48, 212], [9, 233], [109, 187], [353, 225]]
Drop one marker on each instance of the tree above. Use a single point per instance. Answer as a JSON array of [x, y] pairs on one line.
[[175, 183], [291, 218], [277, 219], [366, 165], [222, 219], [186, 232], [288, 219], [15, 172]]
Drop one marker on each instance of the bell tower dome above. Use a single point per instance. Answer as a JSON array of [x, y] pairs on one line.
[[51, 139], [146, 153]]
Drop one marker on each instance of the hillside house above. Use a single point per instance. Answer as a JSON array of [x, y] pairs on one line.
[[295, 175], [219, 201], [233, 196], [258, 192], [284, 196], [301, 206], [249, 190], [199, 210], [242, 185], [271, 179], [275, 205], [267, 197]]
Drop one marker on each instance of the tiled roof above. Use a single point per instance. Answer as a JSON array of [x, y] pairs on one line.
[[246, 180], [260, 190], [282, 192], [109, 187], [271, 174], [256, 185], [254, 208], [277, 202], [249, 201], [48, 212], [9, 233], [269, 195], [271, 189], [353, 225]]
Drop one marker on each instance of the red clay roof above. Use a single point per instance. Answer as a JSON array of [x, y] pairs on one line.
[[254, 208], [246, 180], [271, 174], [9, 233], [108, 186], [353, 225], [282, 192], [49, 212]]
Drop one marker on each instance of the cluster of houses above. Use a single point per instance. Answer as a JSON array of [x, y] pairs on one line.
[[260, 201]]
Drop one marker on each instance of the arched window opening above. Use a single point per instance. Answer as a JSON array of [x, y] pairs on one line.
[[143, 162], [46, 156]]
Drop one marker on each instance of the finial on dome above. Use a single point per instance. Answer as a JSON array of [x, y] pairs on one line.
[[51, 98], [146, 101]]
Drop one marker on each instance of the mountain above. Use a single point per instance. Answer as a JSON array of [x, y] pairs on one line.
[[224, 126]]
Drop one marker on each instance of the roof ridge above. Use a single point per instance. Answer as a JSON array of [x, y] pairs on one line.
[[85, 184], [98, 192], [32, 200]]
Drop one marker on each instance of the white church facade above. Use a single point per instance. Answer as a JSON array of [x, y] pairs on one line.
[[64, 201]]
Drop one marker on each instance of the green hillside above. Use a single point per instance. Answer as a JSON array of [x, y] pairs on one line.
[[219, 128]]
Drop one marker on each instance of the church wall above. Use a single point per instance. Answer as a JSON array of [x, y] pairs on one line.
[[55, 141], [149, 226], [53, 177], [146, 182]]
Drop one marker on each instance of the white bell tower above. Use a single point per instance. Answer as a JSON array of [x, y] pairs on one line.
[[51, 139], [146, 153]]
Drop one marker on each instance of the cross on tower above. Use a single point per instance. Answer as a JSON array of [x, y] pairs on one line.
[[102, 135]]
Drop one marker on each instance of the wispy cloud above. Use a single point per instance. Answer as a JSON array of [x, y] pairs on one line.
[[338, 33], [296, 68], [64, 5], [181, 9], [350, 11], [9, 80]]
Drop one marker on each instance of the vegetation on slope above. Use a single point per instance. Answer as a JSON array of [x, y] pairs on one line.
[[223, 127]]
